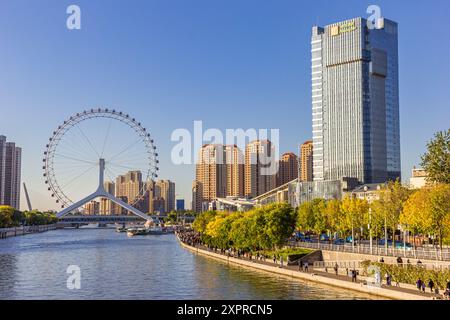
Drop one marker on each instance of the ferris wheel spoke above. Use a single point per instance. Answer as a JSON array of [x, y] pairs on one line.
[[71, 156], [126, 157], [77, 141], [122, 166], [78, 176], [67, 175], [106, 137], [108, 173], [125, 149], [70, 146], [88, 140], [75, 159]]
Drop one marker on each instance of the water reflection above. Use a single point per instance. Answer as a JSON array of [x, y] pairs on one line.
[[116, 267]]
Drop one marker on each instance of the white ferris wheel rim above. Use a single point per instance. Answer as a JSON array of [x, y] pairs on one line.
[[49, 174]]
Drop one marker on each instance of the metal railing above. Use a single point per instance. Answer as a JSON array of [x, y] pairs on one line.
[[425, 253], [354, 264], [22, 230]]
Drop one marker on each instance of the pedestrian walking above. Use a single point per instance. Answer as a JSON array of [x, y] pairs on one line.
[[423, 287], [274, 259], [388, 279], [353, 275], [431, 285], [336, 268], [306, 266], [419, 284]]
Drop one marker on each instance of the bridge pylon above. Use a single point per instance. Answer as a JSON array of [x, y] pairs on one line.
[[102, 193]]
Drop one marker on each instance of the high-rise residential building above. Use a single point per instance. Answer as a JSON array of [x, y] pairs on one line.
[[306, 161], [10, 173], [259, 163], [235, 171], [108, 207], [92, 208], [159, 206], [355, 101], [211, 174], [196, 204], [129, 187], [2, 168], [287, 168], [165, 189], [150, 196]]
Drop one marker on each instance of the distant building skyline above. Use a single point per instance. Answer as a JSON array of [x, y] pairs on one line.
[[261, 83]]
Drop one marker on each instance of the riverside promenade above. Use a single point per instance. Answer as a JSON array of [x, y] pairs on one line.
[[341, 281]]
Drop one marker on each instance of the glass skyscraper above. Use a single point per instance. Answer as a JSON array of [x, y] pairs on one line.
[[355, 101]]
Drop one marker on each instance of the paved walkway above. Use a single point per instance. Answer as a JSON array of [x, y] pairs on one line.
[[330, 275]]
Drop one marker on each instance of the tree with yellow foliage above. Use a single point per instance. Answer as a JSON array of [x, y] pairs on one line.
[[356, 213], [415, 215]]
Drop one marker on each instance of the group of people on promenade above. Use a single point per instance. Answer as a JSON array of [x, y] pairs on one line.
[[193, 238], [189, 237], [421, 286]]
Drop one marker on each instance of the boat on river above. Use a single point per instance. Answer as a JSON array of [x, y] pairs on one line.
[[121, 229], [142, 231]]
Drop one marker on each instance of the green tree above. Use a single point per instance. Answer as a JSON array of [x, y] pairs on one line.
[[305, 216], [242, 232], [279, 223], [440, 211], [6, 216], [436, 161], [35, 218], [202, 221], [172, 216], [334, 215]]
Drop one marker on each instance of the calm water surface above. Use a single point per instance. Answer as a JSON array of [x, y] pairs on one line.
[[114, 266]]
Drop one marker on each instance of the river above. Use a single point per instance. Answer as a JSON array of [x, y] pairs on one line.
[[114, 266]]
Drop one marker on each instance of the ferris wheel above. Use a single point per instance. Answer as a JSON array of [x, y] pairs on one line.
[[94, 140]]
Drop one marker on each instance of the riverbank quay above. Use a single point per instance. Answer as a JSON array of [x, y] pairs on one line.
[[341, 281], [24, 230]]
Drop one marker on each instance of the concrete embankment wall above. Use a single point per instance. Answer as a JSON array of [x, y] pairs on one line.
[[20, 231], [380, 292]]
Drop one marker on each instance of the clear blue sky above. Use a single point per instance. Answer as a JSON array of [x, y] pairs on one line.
[[229, 63]]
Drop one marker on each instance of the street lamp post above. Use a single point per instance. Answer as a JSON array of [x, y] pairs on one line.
[[369, 226], [370, 229]]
